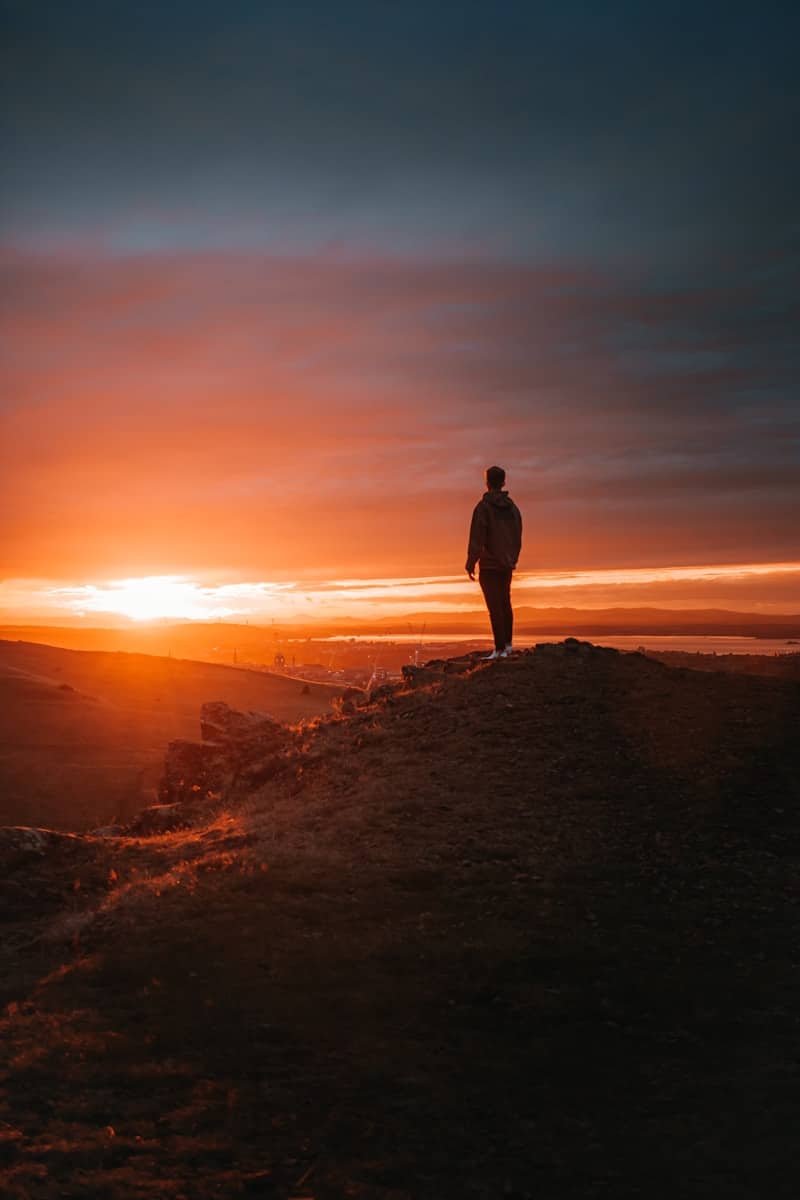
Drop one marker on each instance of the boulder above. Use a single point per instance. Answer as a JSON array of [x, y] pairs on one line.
[[20, 843], [346, 702], [382, 692], [550, 649], [463, 664], [437, 669], [225, 726], [235, 745], [572, 646], [423, 676], [159, 818], [260, 771], [192, 770]]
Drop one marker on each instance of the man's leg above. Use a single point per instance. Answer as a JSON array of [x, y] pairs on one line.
[[508, 612], [493, 586]]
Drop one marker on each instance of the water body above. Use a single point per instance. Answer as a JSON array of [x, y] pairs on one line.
[[692, 643], [689, 643]]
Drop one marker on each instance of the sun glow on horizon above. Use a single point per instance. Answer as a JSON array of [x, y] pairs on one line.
[[186, 598], [149, 598]]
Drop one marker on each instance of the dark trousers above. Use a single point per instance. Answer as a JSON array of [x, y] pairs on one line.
[[496, 588]]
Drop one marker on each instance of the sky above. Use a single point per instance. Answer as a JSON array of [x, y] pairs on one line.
[[280, 280]]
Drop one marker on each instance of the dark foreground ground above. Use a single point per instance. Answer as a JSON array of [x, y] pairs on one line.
[[531, 931]]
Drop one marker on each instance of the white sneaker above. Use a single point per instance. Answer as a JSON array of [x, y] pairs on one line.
[[509, 650], [495, 654]]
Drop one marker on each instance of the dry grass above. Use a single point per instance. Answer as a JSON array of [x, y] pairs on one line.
[[83, 733], [529, 933]]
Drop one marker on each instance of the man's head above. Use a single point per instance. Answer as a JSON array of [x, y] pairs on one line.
[[495, 478]]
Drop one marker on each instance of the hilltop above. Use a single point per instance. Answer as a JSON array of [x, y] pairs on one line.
[[83, 733], [517, 929]]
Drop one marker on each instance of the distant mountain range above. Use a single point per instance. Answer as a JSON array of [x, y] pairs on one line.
[[614, 620], [201, 639]]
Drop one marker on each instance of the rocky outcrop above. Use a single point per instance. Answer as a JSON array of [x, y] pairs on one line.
[[23, 843], [244, 747], [222, 725], [570, 646], [240, 751], [194, 769], [161, 818], [437, 669], [40, 871]]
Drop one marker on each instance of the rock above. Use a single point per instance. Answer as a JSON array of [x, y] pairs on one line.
[[235, 745], [192, 770], [460, 666], [378, 693], [254, 774], [422, 676], [108, 831], [20, 842], [25, 874], [160, 818], [570, 645], [549, 649], [346, 702], [226, 726]]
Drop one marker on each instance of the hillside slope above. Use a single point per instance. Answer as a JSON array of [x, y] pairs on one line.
[[83, 733], [521, 929]]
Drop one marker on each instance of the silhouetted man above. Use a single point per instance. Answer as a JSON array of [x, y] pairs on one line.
[[495, 538]]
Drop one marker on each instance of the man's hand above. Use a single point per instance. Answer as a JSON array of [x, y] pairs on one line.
[[471, 574]]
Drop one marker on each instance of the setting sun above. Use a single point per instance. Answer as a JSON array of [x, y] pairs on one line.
[[751, 587], [153, 597]]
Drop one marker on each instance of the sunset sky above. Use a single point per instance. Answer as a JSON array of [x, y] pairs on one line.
[[281, 279]]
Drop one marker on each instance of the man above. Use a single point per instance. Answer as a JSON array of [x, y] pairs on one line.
[[495, 538]]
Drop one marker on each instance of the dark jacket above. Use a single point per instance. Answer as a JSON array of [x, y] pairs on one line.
[[495, 536]]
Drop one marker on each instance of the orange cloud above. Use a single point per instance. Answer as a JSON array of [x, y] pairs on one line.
[[320, 417], [765, 588]]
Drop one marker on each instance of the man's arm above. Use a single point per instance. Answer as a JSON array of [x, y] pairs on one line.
[[518, 521], [477, 539]]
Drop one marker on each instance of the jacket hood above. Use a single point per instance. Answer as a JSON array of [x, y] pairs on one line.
[[498, 499]]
